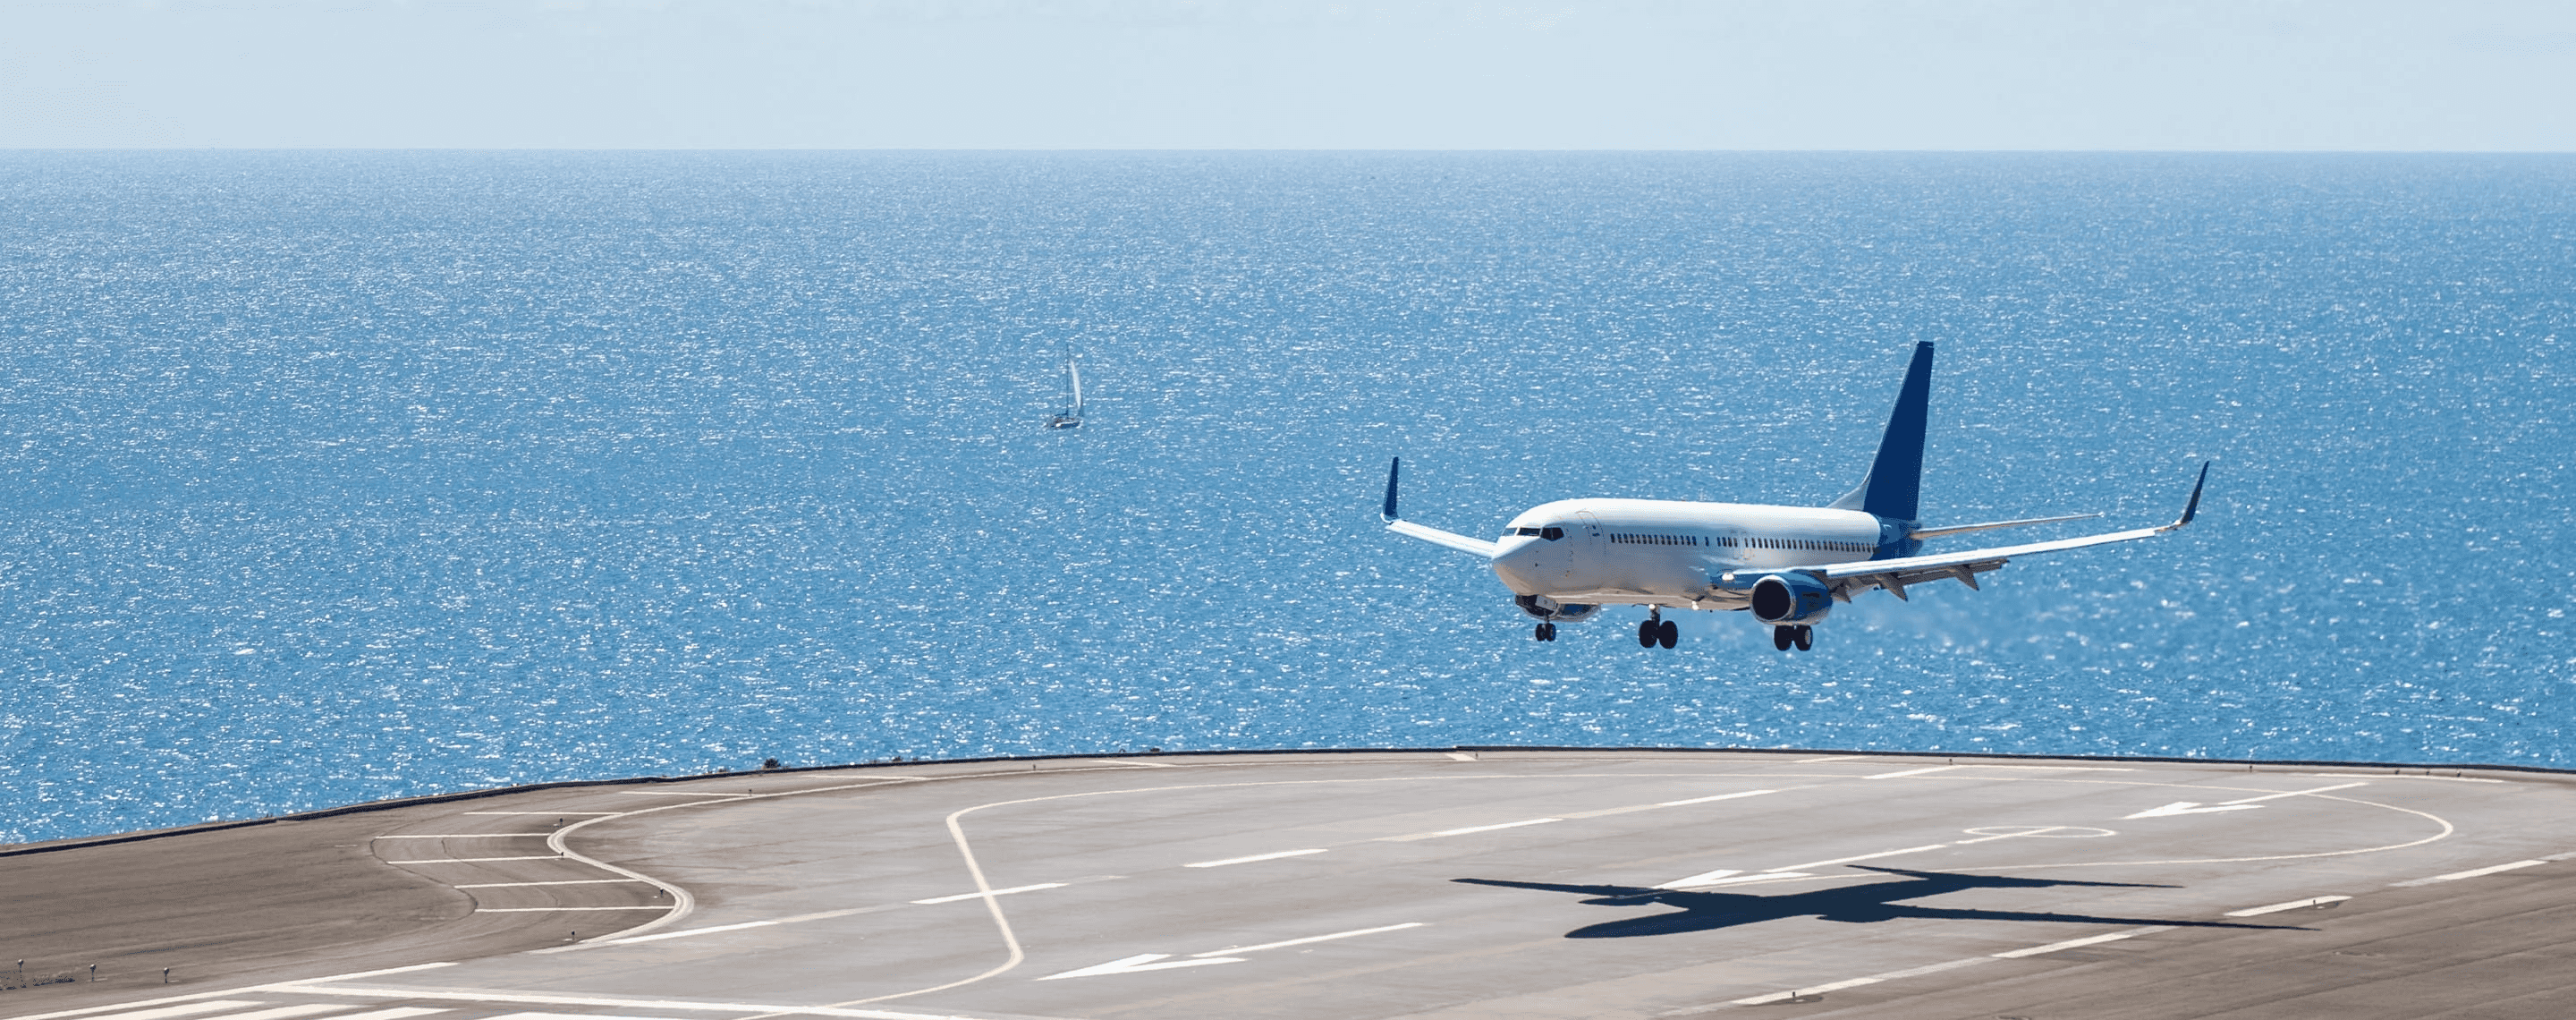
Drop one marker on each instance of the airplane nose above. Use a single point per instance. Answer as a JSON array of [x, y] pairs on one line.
[[1511, 562]]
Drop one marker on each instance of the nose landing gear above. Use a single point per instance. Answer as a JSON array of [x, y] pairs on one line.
[[1802, 636], [1655, 630], [1544, 632]]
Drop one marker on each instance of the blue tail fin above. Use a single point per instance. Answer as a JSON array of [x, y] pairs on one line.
[[1895, 479]]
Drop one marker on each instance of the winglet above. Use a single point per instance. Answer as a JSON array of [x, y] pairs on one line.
[[2192, 509], [1392, 465]]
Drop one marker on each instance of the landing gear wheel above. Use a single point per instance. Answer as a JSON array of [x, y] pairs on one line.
[[1543, 632], [1646, 634], [1782, 636], [1670, 633], [1806, 638]]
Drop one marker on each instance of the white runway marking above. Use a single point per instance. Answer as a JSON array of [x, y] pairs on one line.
[[2292, 905], [568, 1016], [558, 814], [1459, 756], [2471, 873], [996, 892], [1764, 1000], [686, 934], [1141, 764], [1467, 830], [2015, 954], [1704, 800], [680, 793], [1143, 962], [1912, 772], [549, 910], [467, 835], [1255, 857], [1830, 757], [2188, 807], [1137, 964], [612, 1002], [1312, 938], [480, 860], [396, 1013], [1860, 857], [183, 1009], [2289, 793], [515, 885], [1703, 878], [284, 1012]]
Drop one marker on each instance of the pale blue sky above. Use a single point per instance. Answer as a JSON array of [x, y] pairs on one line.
[[1232, 74]]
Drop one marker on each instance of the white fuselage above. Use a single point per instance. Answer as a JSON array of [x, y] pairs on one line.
[[1669, 553]]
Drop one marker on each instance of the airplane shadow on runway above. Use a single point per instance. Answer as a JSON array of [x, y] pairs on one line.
[[1853, 904]]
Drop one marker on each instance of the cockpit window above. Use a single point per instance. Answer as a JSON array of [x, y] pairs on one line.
[[1551, 533]]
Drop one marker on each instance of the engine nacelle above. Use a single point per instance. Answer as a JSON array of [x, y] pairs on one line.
[[1787, 600], [1546, 608]]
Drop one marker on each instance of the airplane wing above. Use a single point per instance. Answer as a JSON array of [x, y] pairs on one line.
[[1850, 579], [1432, 535], [1451, 539]]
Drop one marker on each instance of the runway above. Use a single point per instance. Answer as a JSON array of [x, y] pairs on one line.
[[1608, 884]]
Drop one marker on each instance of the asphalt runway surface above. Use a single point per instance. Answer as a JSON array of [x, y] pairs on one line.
[[1485, 884]]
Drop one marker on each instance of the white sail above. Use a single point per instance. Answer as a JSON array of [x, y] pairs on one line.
[[1075, 367]]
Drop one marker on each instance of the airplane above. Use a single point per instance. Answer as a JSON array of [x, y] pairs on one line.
[[1785, 565]]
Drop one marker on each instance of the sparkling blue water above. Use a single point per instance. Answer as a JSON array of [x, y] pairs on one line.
[[332, 477]]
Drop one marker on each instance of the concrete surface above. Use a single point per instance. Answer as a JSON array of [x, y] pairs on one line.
[[1511, 884]]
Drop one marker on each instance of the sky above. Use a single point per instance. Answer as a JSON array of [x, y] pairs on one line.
[[2239, 75]]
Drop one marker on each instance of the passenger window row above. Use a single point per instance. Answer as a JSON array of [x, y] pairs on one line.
[[1623, 538]]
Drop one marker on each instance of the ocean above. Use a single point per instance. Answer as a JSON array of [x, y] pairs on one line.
[[339, 476]]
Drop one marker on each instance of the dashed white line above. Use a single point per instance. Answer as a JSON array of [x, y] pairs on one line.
[[480, 860], [467, 835], [183, 1009], [680, 793], [612, 1002], [1859, 857], [1704, 800], [1767, 999], [1255, 857], [689, 932], [1912, 772], [996, 892], [396, 1013], [2317, 901], [2290, 793], [1311, 938], [284, 1012], [2471, 873], [515, 885], [1467, 830], [549, 910], [558, 814], [2015, 954]]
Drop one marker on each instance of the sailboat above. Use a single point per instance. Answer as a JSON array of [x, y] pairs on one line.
[[1072, 417]]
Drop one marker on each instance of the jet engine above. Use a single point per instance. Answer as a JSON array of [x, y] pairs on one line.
[[1546, 608], [1787, 600]]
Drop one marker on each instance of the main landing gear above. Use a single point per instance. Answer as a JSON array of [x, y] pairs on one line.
[[1656, 630], [1802, 635], [1544, 632]]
